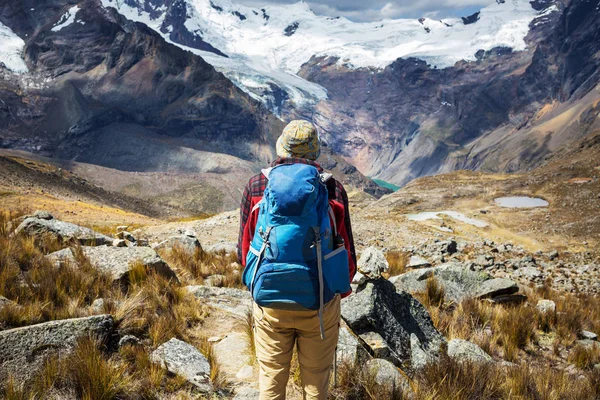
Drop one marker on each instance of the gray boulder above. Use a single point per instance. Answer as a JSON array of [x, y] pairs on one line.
[[418, 262], [118, 261], [387, 374], [587, 335], [186, 361], [372, 263], [349, 349], [463, 350], [24, 350], [458, 281], [395, 316], [188, 243], [496, 287], [64, 232]]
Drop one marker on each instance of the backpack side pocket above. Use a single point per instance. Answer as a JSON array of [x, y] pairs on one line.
[[336, 272]]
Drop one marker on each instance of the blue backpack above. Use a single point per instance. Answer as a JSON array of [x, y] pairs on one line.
[[295, 261]]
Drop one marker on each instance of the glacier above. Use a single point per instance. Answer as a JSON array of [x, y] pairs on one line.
[[267, 46], [11, 50]]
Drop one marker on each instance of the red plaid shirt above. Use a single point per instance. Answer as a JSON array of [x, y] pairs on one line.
[[255, 189]]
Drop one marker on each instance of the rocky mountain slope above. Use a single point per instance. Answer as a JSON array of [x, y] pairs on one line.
[[98, 89], [495, 91]]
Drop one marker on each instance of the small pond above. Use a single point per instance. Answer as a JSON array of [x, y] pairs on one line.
[[521, 202]]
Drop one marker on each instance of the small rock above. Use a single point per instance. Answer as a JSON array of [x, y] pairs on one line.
[[553, 255], [587, 335], [129, 340], [126, 236], [372, 263], [546, 306], [186, 361], [418, 262], [463, 350], [485, 260], [119, 243], [530, 272], [97, 306], [190, 233], [5, 302], [376, 343], [359, 279], [215, 280]]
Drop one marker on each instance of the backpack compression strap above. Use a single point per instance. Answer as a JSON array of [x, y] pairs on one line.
[[321, 283]]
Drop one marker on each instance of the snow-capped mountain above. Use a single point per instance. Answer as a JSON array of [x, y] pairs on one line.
[[499, 90], [262, 49]]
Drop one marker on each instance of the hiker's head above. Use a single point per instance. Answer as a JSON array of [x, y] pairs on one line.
[[299, 139]]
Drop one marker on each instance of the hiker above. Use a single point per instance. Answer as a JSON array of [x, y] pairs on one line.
[[297, 249]]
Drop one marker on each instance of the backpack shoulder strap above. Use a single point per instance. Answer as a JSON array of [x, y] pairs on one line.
[[333, 221]]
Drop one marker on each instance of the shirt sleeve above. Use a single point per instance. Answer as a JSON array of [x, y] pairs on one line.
[[245, 209], [347, 222]]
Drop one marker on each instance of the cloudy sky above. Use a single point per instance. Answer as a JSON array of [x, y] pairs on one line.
[[375, 10]]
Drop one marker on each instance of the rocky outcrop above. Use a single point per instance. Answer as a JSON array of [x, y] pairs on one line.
[[186, 361], [458, 281], [397, 317], [372, 263], [118, 261], [23, 350], [63, 232]]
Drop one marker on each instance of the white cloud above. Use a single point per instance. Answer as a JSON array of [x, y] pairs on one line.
[[360, 10]]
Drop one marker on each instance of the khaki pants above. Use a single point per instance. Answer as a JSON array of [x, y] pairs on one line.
[[276, 332]]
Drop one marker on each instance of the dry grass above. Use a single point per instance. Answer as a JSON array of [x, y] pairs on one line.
[[466, 381], [42, 291], [585, 357], [194, 268], [156, 309], [398, 261], [248, 325], [354, 382], [217, 379]]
